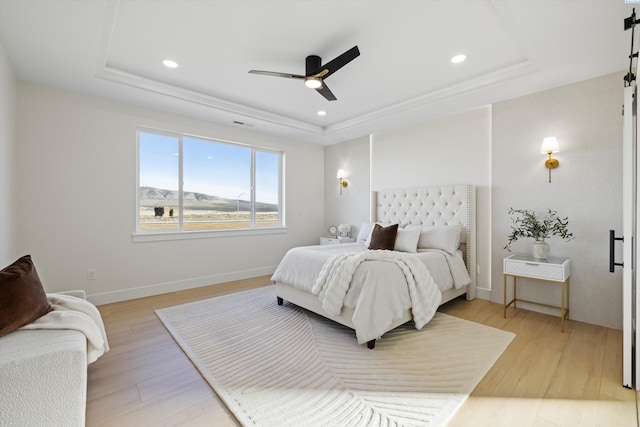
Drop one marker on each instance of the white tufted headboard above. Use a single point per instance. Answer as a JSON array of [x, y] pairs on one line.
[[432, 206]]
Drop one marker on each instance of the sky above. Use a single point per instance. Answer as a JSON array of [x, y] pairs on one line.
[[216, 169]]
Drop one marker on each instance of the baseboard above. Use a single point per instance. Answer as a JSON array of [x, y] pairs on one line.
[[483, 293], [179, 285]]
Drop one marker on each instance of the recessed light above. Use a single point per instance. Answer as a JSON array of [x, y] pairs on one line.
[[322, 113], [169, 63], [458, 59]]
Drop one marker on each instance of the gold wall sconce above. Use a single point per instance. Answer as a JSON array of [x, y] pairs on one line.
[[343, 182], [550, 146]]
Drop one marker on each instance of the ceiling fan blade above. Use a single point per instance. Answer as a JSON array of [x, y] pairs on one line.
[[324, 91], [276, 74], [339, 62], [323, 72]]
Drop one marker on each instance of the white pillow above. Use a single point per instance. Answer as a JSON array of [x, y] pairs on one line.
[[365, 232], [407, 240], [446, 238]]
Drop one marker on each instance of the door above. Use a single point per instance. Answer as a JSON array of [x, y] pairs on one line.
[[629, 220]]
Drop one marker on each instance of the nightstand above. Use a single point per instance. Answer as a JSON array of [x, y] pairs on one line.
[[552, 269], [336, 240]]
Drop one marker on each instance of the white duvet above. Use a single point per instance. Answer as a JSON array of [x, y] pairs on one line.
[[378, 285]]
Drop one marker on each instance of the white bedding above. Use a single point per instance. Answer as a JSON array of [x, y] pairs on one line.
[[301, 266], [387, 293]]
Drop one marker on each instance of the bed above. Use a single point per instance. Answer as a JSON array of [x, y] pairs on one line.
[[378, 291]]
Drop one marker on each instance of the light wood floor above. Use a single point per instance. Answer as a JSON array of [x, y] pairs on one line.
[[544, 378]]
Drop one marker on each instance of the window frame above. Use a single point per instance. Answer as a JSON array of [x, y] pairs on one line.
[[178, 234]]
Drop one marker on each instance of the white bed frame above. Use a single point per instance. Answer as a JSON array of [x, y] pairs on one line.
[[428, 206]]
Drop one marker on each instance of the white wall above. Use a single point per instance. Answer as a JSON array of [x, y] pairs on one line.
[[352, 207], [8, 108], [453, 150], [73, 187], [586, 187], [498, 149], [75, 181]]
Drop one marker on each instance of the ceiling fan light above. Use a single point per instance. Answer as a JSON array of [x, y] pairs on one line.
[[313, 83]]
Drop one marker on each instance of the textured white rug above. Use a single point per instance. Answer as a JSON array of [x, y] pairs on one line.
[[283, 366]]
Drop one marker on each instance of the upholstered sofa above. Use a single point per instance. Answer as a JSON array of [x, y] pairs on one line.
[[43, 377], [46, 343]]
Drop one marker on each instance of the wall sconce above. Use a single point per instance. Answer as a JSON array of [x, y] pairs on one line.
[[550, 146], [343, 182]]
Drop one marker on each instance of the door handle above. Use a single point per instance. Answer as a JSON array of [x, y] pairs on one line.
[[612, 251]]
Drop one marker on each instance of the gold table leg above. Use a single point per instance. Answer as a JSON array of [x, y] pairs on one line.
[[568, 295], [505, 295], [564, 312], [562, 307], [505, 305]]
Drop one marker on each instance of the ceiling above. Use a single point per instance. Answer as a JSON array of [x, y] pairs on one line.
[[114, 49]]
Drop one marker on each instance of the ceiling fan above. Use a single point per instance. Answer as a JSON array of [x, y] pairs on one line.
[[315, 72]]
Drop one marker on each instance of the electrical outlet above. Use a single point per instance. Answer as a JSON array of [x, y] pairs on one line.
[[91, 274]]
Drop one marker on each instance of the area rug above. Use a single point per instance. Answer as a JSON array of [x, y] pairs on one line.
[[284, 366]]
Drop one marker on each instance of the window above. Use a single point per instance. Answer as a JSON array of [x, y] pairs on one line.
[[188, 183]]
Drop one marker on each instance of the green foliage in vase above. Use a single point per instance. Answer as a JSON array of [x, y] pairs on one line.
[[527, 223]]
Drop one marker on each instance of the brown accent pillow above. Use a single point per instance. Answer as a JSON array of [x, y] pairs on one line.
[[22, 297], [383, 237]]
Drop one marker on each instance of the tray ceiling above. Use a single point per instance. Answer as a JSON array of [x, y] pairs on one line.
[[404, 75]]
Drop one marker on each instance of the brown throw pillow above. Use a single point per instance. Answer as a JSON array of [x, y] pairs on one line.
[[383, 237], [22, 297]]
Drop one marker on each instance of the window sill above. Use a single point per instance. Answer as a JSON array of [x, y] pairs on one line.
[[188, 235]]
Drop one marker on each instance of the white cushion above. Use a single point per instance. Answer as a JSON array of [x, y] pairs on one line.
[[446, 238], [407, 240], [44, 378], [365, 232]]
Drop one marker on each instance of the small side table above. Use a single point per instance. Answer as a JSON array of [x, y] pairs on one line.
[[336, 240], [552, 270]]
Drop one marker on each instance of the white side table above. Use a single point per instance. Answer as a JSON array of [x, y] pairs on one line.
[[336, 240], [556, 270]]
